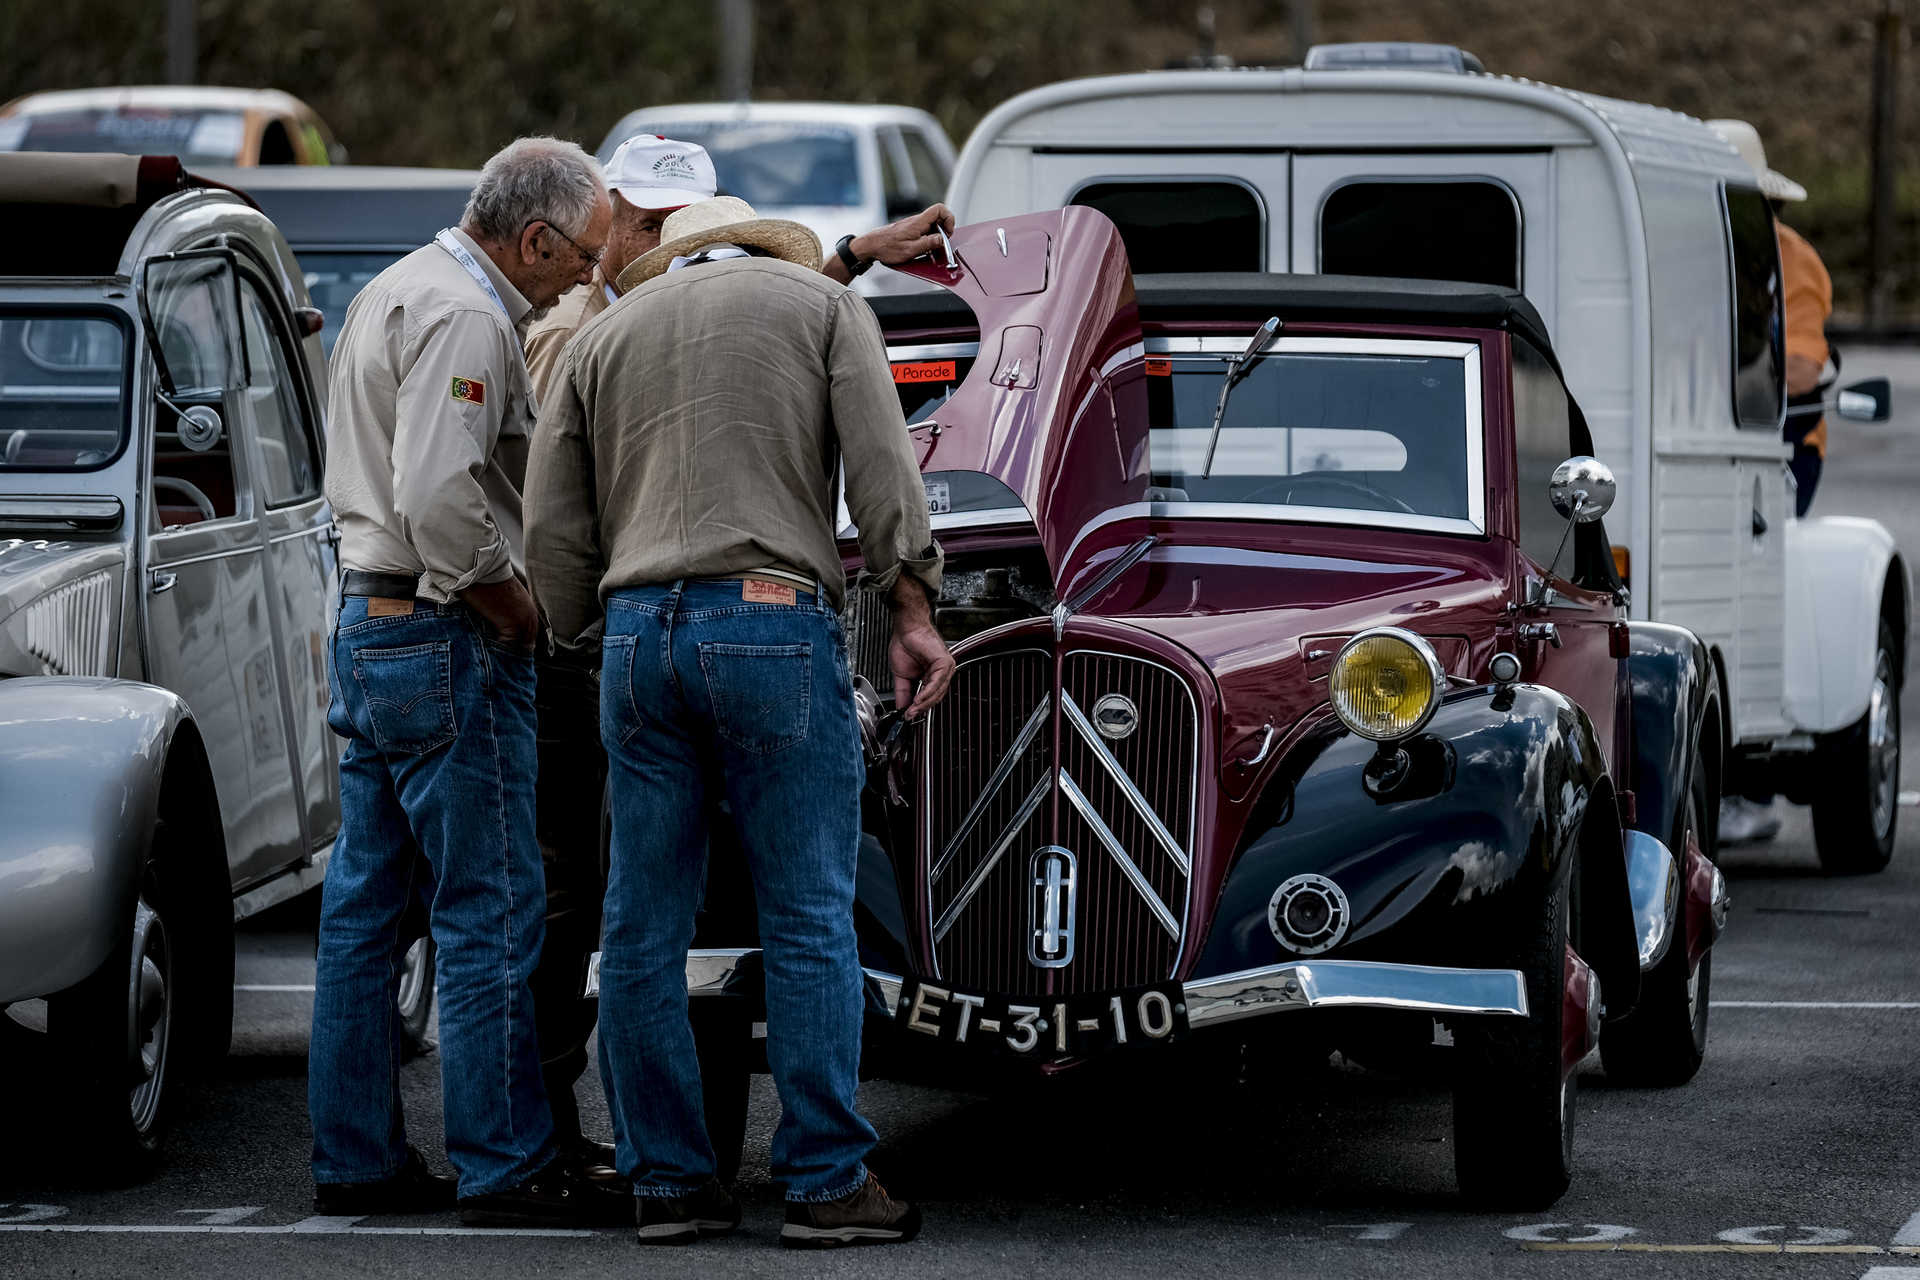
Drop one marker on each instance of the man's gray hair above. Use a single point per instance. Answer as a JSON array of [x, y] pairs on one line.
[[534, 179]]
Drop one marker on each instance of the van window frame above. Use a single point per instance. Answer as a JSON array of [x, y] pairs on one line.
[[1777, 336], [1190, 179], [1400, 179]]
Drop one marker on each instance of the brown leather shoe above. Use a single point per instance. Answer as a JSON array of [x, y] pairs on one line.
[[867, 1216]]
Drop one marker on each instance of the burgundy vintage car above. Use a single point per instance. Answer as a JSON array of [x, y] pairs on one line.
[[1296, 704]]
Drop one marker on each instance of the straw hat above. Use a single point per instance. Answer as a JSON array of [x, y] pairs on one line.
[[1774, 185], [723, 220]]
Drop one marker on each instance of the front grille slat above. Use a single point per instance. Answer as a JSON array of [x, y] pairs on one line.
[[1119, 940]]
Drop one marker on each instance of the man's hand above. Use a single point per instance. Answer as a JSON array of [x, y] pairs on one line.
[[1803, 373], [507, 607], [905, 240], [917, 651], [895, 243]]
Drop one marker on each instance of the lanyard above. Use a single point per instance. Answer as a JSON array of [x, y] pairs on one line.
[[447, 241]]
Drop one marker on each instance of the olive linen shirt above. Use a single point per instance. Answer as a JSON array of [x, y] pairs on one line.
[[547, 338], [429, 424], [695, 433]]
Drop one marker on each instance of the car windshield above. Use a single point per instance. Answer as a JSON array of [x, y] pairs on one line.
[[197, 137], [773, 163], [335, 279], [63, 379], [1376, 432]]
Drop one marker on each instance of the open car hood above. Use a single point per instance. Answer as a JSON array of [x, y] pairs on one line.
[[1055, 407]]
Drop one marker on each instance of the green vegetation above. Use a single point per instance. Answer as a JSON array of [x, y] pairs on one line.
[[446, 82]]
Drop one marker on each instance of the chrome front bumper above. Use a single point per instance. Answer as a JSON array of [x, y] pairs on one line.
[[1250, 993]]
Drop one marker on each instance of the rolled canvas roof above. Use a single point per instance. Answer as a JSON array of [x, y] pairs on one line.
[[98, 181]]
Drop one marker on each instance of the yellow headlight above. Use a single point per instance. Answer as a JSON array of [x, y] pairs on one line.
[[1386, 683]]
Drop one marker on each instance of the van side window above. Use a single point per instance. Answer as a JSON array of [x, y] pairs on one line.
[[1547, 430], [1759, 368], [1465, 230], [1183, 226]]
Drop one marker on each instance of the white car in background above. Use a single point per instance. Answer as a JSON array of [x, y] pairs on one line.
[[839, 168]]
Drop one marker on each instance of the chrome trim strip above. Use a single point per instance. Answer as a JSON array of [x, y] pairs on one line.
[[1355, 984], [979, 876], [1653, 886], [998, 779], [1270, 512], [291, 883], [1079, 721], [1127, 865], [933, 351], [977, 519]]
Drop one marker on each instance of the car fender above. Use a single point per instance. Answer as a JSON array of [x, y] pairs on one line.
[[81, 763], [1837, 570], [1452, 869], [1674, 691]]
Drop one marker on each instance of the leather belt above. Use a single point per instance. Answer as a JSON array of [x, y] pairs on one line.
[[387, 586]]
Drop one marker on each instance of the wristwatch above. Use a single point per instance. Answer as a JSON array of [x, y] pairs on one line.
[[843, 249]]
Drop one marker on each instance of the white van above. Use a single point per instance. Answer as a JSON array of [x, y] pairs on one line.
[[1642, 239]]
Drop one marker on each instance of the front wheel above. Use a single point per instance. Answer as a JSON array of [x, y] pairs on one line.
[[1857, 799], [115, 1035], [1513, 1101], [1664, 1040]]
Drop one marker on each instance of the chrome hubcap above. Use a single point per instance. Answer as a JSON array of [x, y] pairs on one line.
[[150, 1004], [1883, 745], [413, 977]]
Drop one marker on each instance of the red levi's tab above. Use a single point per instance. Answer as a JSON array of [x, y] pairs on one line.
[[471, 390]]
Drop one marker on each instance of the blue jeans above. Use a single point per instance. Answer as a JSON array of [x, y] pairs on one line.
[[695, 685], [439, 760]]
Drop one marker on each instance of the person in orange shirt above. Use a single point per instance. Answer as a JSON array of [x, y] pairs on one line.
[[1807, 301], [1807, 294]]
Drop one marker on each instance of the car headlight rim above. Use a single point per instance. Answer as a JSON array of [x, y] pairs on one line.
[[1424, 662]]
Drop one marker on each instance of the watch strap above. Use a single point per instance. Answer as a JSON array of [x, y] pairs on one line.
[[843, 249]]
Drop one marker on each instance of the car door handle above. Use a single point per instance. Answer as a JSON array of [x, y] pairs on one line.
[[1759, 524], [163, 581]]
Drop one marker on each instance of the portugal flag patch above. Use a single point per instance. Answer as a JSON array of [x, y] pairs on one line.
[[472, 390]]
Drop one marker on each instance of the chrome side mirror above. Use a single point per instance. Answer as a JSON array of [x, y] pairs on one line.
[[1868, 400], [1582, 489], [200, 428]]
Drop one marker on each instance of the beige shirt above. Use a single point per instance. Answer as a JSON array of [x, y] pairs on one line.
[[548, 338], [696, 430], [430, 423]]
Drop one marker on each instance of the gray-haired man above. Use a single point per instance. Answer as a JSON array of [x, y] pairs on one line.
[[433, 683]]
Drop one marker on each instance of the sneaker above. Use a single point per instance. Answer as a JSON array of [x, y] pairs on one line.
[[1744, 821], [557, 1196], [415, 1189], [710, 1211], [866, 1216]]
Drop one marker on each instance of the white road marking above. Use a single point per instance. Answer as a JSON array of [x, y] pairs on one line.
[[1548, 1232], [1910, 799], [1776, 1234], [225, 1217], [1816, 1004], [304, 1227], [1373, 1230], [1909, 1234], [1892, 1273], [273, 986]]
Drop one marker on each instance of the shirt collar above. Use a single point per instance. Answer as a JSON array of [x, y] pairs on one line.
[[515, 301]]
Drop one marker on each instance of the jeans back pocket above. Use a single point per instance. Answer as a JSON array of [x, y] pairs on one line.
[[409, 693], [762, 693]]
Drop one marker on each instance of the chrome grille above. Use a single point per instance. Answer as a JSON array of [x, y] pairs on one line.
[[868, 622], [1124, 807]]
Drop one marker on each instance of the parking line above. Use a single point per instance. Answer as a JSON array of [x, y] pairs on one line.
[[1909, 1234], [273, 986], [1634, 1246], [1892, 1273], [1816, 1004], [305, 1227]]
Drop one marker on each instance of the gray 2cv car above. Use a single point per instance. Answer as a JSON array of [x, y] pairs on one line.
[[166, 569]]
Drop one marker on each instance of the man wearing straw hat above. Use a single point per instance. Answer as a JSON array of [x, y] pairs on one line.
[[682, 484], [648, 178]]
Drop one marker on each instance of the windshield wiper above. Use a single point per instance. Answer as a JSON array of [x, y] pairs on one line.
[[1237, 368]]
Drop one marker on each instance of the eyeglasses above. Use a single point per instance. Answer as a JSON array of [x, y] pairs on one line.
[[592, 258]]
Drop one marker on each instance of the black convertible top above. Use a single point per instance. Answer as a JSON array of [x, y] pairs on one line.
[[1257, 295]]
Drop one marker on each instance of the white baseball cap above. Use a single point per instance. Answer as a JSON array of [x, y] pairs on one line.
[[652, 172]]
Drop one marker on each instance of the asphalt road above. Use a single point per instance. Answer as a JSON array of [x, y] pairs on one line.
[[1798, 1138]]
